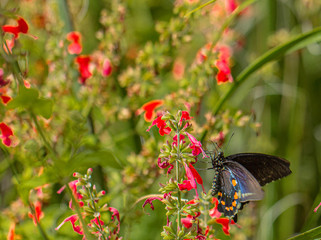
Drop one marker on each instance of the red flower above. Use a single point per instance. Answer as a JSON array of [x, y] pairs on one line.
[[181, 139], [83, 63], [75, 46], [225, 224], [196, 145], [5, 99], [186, 185], [230, 5], [11, 233], [150, 201], [107, 68], [161, 124], [22, 27], [115, 213], [185, 116], [6, 134], [78, 196], [224, 72], [214, 213], [72, 219], [95, 221], [38, 213], [149, 109], [189, 184], [188, 221], [165, 164]]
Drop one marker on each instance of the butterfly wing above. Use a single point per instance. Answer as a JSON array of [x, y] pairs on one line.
[[265, 168], [237, 186]]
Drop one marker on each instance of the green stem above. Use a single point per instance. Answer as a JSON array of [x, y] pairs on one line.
[[200, 7], [179, 197]]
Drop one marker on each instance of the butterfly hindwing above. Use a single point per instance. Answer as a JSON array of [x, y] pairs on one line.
[[237, 186]]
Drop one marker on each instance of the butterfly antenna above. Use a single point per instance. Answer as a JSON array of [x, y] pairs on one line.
[[229, 141]]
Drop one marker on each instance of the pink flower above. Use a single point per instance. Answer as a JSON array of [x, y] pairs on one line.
[[107, 68], [230, 5], [75, 46], [22, 27], [115, 213], [316, 209], [83, 64], [196, 145], [72, 219], [161, 124], [7, 134]]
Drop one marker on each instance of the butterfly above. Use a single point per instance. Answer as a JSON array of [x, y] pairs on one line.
[[239, 177]]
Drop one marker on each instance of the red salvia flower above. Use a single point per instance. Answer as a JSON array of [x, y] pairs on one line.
[[72, 219], [83, 64], [38, 213], [5, 99], [161, 124], [225, 224], [230, 5], [150, 201], [188, 221], [165, 164], [149, 109], [196, 146], [115, 213], [75, 46], [6, 134], [22, 27], [214, 213]]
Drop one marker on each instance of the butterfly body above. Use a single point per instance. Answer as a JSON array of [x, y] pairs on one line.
[[238, 178]]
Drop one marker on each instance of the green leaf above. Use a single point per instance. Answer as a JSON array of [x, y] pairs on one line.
[[90, 159], [26, 98], [43, 107], [311, 234], [296, 43]]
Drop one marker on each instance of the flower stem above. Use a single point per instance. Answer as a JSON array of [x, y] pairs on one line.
[[179, 200]]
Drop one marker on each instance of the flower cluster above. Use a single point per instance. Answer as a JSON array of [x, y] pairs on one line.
[[87, 199]]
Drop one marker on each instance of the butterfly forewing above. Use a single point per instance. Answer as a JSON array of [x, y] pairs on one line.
[[265, 168], [249, 186]]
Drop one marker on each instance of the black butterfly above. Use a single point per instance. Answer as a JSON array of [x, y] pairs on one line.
[[238, 178]]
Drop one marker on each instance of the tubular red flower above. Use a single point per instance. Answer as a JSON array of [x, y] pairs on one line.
[[83, 64], [149, 109], [75, 46], [72, 219], [188, 221], [11, 233], [22, 27], [6, 134], [214, 213], [225, 224], [186, 185], [38, 213], [230, 5], [165, 164], [196, 175], [150, 201], [196, 145], [161, 124]]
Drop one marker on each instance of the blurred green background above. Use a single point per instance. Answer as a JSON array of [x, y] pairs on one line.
[[283, 96]]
